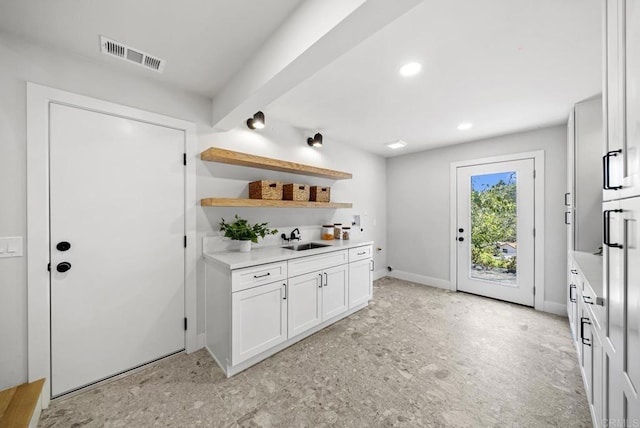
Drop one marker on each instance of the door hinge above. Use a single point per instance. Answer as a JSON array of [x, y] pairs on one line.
[[534, 232], [534, 173], [49, 267], [185, 241], [534, 291], [184, 159], [185, 323]]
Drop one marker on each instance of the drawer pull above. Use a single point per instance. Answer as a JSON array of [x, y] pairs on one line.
[[571, 288], [583, 321], [262, 276], [362, 253]]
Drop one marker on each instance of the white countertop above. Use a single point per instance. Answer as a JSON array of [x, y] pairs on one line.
[[258, 256], [590, 267]]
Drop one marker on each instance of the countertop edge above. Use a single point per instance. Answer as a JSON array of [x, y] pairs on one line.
[[222, 258]]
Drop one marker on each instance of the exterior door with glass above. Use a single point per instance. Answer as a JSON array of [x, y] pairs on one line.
[[495, 230]]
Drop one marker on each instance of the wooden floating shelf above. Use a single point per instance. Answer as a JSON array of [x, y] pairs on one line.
[[231, 157], [268, 203]]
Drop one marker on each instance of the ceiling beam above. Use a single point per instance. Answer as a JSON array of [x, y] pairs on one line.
[[315, 34]]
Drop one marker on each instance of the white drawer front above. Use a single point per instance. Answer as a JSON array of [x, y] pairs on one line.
[[319, 262], [242, 279], [360, 253]]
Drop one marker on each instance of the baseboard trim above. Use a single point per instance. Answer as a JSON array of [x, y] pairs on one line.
[[200, 341], [555, 308], [377, 274], [420, 279]]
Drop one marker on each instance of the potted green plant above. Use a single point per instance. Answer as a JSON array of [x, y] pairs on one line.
[[240, 230]]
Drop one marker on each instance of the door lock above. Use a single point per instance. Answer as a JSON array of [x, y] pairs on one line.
[[63, 267], [63, 246]]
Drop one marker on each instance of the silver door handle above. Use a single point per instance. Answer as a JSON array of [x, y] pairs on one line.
[[326, 279], [320, 286], [373, 265], [284, 292]]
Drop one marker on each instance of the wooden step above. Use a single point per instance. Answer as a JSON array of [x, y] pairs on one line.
[[20, 405]]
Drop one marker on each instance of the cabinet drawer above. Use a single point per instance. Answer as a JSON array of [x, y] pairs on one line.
[[595, 306], [241, 279], [319, 262], [360, 253]]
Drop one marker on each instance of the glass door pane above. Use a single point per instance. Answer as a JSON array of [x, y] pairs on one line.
[[494, 245]]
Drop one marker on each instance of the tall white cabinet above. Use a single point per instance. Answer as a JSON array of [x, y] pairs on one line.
[[621, 214], [583, 199]]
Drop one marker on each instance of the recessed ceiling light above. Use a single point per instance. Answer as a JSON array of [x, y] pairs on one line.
[[465, 125], [410, 69], [398, 144]]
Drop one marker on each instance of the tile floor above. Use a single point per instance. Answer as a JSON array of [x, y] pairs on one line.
[[417, 356]]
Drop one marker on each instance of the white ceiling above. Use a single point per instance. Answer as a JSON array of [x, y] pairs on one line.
[[504, 65], [204, 41]]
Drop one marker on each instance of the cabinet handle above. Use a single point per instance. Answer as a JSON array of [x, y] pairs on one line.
[[320, 286], [566, 217], [605, 170], [574, 271], [326, 279], [566, 200], [571, 288], [587, 300], [262, 276], [362, 253], [284, 293], [373, 265], [583, 321], [606, 228]]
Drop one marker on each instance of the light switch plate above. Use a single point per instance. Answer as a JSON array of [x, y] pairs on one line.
[[11, 246]]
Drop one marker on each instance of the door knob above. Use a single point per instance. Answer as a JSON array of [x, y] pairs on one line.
[[461, 239], [461, 230], [63, 267], [63, 246]]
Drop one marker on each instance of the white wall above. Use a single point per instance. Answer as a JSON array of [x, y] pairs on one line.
[[23, 62], [418, 205]]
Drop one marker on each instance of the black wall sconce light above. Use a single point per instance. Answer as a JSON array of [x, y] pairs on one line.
[[316, 141], [257, 121]]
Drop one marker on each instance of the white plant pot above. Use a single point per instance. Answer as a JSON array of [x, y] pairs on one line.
[[244, 246]]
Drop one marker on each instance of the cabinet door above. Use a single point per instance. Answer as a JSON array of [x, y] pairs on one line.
[[360, 282], [622, 303], [569, 195], [598, 379], [612, 97], [305, 304], [335, 291], [631, 71], [586, 357], [259, 320], [630, 285]]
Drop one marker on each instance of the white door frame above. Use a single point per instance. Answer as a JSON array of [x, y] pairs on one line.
[[538, 167], [38, 294]]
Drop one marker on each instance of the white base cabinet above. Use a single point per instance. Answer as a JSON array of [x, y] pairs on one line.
[[316, 297], [259, 320], [256, 311], [360, 282]]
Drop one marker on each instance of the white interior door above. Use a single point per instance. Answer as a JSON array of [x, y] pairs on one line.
[[117, 197], [494, 231]]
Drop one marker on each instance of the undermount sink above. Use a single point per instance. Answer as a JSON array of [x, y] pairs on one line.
[[303, 247]]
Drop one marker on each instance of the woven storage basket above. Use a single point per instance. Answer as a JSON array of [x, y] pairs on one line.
[[295, 192], [265, 189], [320, 193]]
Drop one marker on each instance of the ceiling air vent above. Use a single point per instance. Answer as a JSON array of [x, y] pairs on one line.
[[136, 56]]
